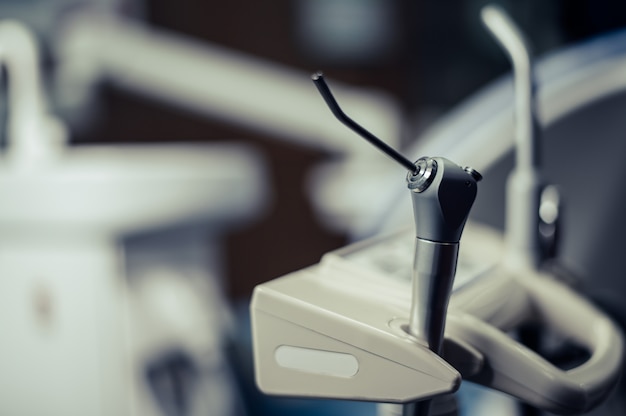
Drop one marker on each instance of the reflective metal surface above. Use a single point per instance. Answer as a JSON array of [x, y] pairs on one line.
[[434, 268]]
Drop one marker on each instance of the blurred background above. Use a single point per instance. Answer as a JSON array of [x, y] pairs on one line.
[[427, 56], [128, 76]]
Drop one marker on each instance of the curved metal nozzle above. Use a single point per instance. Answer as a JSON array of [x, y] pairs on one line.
[[514, 43], [320, 83], [525, 184]]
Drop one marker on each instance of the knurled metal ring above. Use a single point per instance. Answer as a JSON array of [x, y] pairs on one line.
[[426, 171]]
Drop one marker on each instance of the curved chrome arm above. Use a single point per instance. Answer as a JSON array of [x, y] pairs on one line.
[[514, 43], [525, 183]]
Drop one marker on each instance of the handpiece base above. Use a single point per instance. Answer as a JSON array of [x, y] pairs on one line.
[[434, 269]]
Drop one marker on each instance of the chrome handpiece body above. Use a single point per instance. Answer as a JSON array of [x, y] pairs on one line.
[[442, 194]]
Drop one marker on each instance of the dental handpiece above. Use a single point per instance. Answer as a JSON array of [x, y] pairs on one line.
[[442, 194]]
